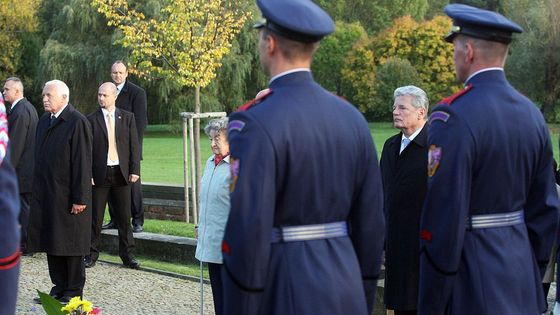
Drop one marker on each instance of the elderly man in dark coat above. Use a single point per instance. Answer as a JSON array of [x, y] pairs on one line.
[[403, 170], [61, 216]]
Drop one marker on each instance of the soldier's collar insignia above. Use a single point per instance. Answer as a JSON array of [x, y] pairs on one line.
[[434, 158], [438, 115]]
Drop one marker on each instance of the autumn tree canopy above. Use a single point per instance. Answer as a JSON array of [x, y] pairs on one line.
[[420, 43], [186, 43]]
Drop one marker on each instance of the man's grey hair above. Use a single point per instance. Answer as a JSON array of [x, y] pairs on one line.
[[419, 97], [62, 87], [217, 125], [18, 83]]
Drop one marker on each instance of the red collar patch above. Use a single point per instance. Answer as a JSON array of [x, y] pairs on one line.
[[260, 97], [450, 99]]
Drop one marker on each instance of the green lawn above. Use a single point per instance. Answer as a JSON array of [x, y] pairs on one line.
[[163, 151]]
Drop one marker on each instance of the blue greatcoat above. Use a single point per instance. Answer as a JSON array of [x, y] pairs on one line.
[[302, 156], [490, 152], [9, 226]]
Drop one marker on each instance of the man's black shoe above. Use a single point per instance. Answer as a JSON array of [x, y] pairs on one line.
[[109, 226], [88, 262], [137, 228], [37, 300], [131, 263]]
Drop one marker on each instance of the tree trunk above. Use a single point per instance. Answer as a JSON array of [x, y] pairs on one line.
[[552, 61]]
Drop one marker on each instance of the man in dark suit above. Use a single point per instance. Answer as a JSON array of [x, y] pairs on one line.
[[116, 165], [131, 98], [403, 171], [60, 221], [491, 210], [22, 122], [304, 174], [9, 231]]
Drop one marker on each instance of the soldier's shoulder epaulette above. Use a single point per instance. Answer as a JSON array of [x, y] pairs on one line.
[[450, 99], [260, 97]]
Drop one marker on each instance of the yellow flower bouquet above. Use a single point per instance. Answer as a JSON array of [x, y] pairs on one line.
[[76, 306]]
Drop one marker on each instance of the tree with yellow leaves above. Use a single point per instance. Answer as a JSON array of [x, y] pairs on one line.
[[184, 44], [418, 43], [14, 22]]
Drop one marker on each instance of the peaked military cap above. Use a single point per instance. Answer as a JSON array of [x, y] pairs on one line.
[[299, 20], [479, 23]]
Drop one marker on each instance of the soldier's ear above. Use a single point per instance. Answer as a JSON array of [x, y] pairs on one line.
[[271, 44]]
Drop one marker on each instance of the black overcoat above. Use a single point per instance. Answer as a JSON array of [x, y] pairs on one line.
[[22, 121], [62, 178], [404, 186]]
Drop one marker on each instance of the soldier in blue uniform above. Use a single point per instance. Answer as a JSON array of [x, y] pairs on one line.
[[305, 231], [490, 213], [9, 227]]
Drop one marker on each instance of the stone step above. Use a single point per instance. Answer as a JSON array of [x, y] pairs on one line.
[[169, 248]]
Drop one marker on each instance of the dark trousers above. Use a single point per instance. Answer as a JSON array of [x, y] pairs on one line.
[[414, 312], [215, 272], [68, 274], [136, 204], [25, 204], [118, 189]]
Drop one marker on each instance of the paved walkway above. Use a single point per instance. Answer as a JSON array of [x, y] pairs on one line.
[[117, 290]]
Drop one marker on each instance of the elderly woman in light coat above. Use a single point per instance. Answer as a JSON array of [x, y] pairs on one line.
[[214, 206]]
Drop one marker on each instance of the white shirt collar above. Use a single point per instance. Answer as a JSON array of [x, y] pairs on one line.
[[15, 102], [120, 86], [60, 111], [412, 136], [281, 74], [483, 70], [106, 112]]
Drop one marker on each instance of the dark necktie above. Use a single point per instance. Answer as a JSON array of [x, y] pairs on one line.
[[53, 119]]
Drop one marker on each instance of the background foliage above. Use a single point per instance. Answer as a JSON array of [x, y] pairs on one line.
[[378, 45]]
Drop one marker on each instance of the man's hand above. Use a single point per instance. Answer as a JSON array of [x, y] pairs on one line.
[[76, 209], [133, 178]]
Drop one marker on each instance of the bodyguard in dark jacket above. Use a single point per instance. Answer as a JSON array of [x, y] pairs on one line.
[[22, 123], [131, 98], [116, 165], [60, 222], [403, 170]]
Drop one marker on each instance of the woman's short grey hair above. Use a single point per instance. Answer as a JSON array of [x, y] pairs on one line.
[[419, 97], [217, 125]]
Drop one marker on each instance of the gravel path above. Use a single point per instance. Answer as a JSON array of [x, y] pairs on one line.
[[117, 290]]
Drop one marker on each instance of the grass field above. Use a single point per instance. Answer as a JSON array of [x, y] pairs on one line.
[[163, 151]]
